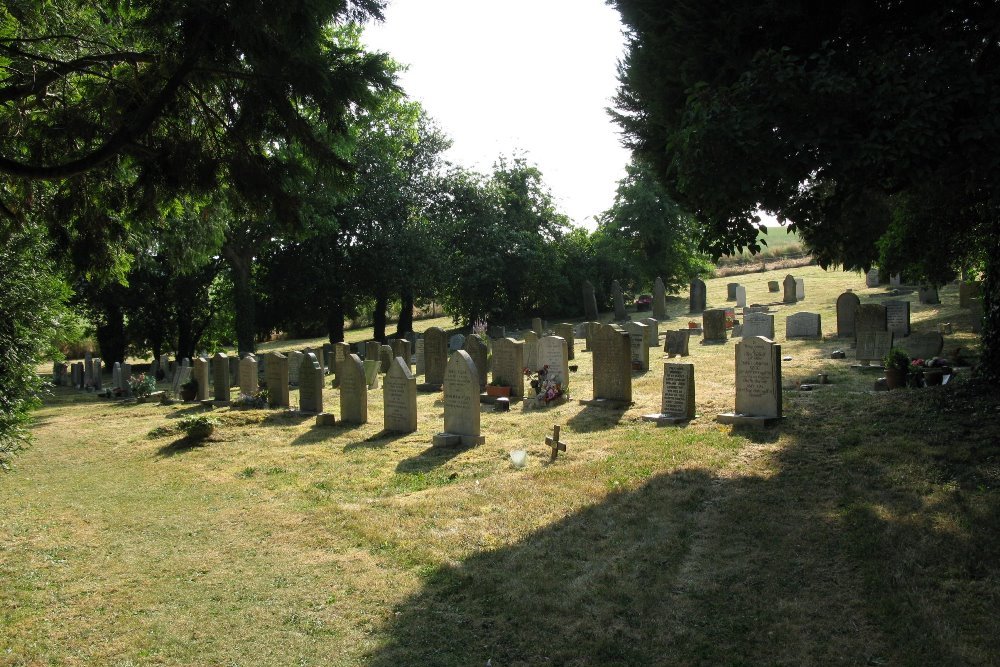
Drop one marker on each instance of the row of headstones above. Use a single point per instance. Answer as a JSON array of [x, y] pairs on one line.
[[80, 374], [590, 312], [794, 291]]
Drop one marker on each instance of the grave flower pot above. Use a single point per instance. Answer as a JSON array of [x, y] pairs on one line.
[[895, 378], [498, 391], [933, 378]]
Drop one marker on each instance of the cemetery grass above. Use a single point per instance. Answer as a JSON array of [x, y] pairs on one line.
[[863, 529]]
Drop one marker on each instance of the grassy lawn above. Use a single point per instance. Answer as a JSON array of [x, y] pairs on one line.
[[864, 529]]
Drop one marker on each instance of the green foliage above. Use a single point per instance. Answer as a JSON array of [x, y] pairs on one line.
[[30, 310], [897, 360], [142, 385], [198, 427]]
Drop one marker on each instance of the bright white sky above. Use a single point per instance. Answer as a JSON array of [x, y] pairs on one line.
[[521, 76]]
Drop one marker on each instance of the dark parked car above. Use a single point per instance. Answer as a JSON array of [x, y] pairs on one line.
[[644, 302]]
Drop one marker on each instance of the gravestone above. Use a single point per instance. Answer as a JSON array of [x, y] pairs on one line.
[[127, 375], [897, 317], [435, 355], [234, 370], [401, 348], [589, 301], [638, 334], [399, 399], [588, 335], [928, 295], [789, 285], [495, 332], [479, 354], [318, 353], [552, 352], [276, 377], [677, 395], [619, 301], [310, 385], [925, 345], [731, 291], [895, 280], [182, 374], [976, 312], [461, 403], [371, 367], [248, 375], [220, 377], [676, 344], [872, 278], [199, 371], [531, 350], [537, 326], [373, 350], [869, 317], [421, 363], [696, 302], [659, 300], [741, 296], [98, 371], [967, 291], [354, 391], [165, 367], [653, 333], [758, 324], [872, 346], [800, 289], [294, 365], [456, 342], [565, 331], [612, 375], [508, 365], [847, 306], [88, 370], [803, 325], [339, 353], [714, 325], [384, 358], [773, 286], [758, 382]]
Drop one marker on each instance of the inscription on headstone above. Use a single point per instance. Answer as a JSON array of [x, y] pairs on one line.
[[276, 377], [552, 352], [399, 399], [897, 317], [461, 401], [677, 343], [310, 385], [508, 365], [639, 344], [612, 364], [873, 345], [758, 324], [354, 391]]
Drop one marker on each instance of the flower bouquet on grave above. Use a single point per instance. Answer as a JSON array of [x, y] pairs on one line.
[[547, 386], [256, 400], [142, 385]]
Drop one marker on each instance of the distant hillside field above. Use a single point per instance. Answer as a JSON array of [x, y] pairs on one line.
[[778, 238]]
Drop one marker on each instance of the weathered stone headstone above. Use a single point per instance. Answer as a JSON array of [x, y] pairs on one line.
[[968, 291], [758, 382], [714, 325], [248, 375], [676, 344], [589, 328], [731, 291], [421, 364], [677, 395], [659, 300], [638, 334], [612, 364], [220, 377], [803, 325], [800, 289], [399, 399], [199, 371], [895, 280], [318, 353], [461, 403], [310, 385], [869, 317], [276, 377], [789, 286], [401, 348], [495, 331], [371, 367], [88, 370], [294, 365], [872, 346], [456, 342], [354, 391], [652, 333], [338, 354], [373, 350], [976, 312], [741, 296], [773, 286], [758, 324], [165, 367], [698, 294], [384, 358], [537, 326], [872, 278], [924, 345], [589, 301], [234, 370], [435, 355], [98, 371], [928, 295], [479, 354], [531, 350], [897, 317], [619, 301], [565, 331], [508, 365], [182, 374], [847, 306], [552, 352]]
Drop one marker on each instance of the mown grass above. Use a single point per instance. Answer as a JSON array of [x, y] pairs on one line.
[[861, 530]]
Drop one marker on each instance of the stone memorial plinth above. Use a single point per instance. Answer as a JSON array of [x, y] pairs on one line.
[[399, 399], [696, 301], [612, 375], [276, 377], [461, 403], [714, 326], [508, 365], [676, 344], [677, 397], [758, 383], [354, 391], [803, 325], [847, 305]]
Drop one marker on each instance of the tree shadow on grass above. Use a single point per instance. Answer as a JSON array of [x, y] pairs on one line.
[[596, 418], [319, 434], [429, 459], [380, 439], [181, 445], [190, 410]]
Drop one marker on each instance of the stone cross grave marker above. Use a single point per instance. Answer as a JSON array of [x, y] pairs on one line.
[[612, 375], [696, 302], [248, 375], [897, 317], [556, 445], [435, 355], [276, 377], [565, 331], [461, 403], [508, 365], [354, 391], [677, 396], [847, 306], [758, 382], [310, 385], [399, 399], [676, 344], [589, 301], [659, 300], [803, 325], [789, 286]]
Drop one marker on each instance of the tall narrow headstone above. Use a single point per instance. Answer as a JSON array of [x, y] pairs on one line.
[[619, 300], [638, 336], [565, 331], [508, 365], [338, 354], [677, 394], [234, 370], [373, 350], [88, 370], [220, 377], [354, 391], [479, 353], [897, 317], [421, 363], [789, 286], [98, 371], [800, 289], [276, 376], [552, 352], [199, 371], [741, 296], [294, 366], [435, 355], [869, 317], [612, 375], [677, 343], [399, 399], [653, 332], [872, 278], [371, 367], [589, 301], [531, 350], [847, 306], [758, 382], [698, 296], [659, 300], [401, 348], [461, 403], [384, 358], [248, 375], [182, 375], [165, 367], [310, 385]]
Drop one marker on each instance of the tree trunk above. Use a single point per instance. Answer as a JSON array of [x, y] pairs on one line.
[[111, 337], [335, 315], [240, 259], [990, 366], [378, 317], [186, 341], [405, 324]]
